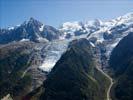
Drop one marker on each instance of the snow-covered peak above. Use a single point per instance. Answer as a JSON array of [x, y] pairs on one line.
[[36, 26], [125, 19], [72, 29], [107, 27], [105, 33], [13, 27], [94, 23], [73, 26], [10, 28], [128, 18], [33, 22]]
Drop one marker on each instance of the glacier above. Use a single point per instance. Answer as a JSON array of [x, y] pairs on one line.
[[90, 29]]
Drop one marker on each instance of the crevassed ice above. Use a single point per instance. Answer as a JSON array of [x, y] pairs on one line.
[[53, 52], [47, 65], [55, 49]]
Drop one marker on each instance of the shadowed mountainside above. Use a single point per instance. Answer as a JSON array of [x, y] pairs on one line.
[[121, 62], [75, 76]]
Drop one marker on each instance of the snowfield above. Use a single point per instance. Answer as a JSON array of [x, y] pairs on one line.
[[90, 29]]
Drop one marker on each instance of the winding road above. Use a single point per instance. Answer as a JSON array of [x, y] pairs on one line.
[[111, 80]]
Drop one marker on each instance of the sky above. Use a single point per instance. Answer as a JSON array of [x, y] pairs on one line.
[[56, 12]]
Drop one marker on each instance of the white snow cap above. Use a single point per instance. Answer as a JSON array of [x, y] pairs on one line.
[[125, 19], [10, 28], [94, 23], [71, 26]]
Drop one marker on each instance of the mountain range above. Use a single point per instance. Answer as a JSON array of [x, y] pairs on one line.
[[89, 60]]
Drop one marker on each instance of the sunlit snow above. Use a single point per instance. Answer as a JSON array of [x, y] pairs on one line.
[[71, 26], [10, 28], [53, 52], [22, 40], [47, 65], [41, 28], [55, 49], [92, 44]]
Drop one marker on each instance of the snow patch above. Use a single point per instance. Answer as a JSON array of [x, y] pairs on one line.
[[40, 39], [41, 28], [18, 25], [92, 44], [10, 28], [22, 40]]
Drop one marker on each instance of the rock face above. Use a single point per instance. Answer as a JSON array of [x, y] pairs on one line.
[[31, 30], [121, 62], [13, 62], [19, 73], [75, 76]]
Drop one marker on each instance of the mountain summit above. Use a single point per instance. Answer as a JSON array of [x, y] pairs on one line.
[[31, 30]]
